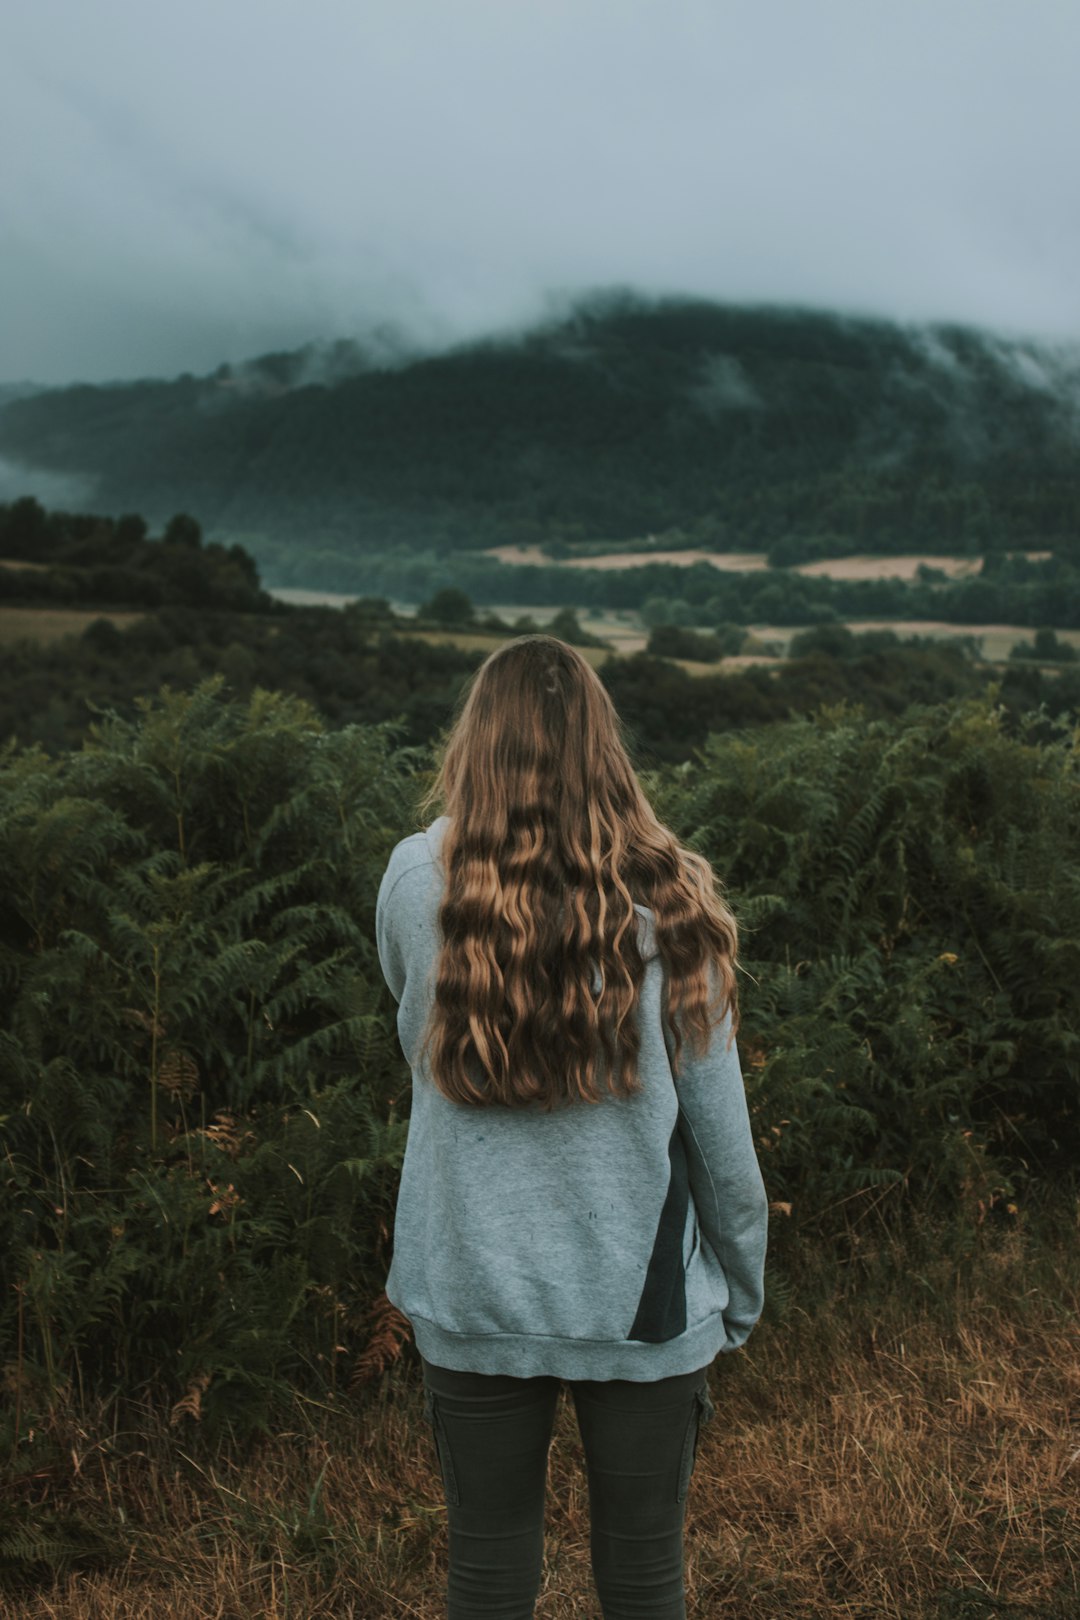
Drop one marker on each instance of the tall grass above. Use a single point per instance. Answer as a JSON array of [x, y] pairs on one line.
[[900, 1439]]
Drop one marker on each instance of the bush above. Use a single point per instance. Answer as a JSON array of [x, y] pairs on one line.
[[566, 627], [448, 606], [198, 1082], [1046, 648], [672, 641], [202, 1097]]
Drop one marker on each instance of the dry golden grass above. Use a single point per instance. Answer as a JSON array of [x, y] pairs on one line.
[[623, 638], [859, 566], [52, 624], [743, 562], [907, 1449], [867, 566]]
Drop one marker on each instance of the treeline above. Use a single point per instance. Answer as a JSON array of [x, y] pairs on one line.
[[1007, 590], [82, 558], [203, 1100], [744, 427], [339, 662], [363, 665]]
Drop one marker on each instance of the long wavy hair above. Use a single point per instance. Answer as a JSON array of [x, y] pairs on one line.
[[549, 843]]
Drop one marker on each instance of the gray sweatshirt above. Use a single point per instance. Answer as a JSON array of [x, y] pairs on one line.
[[624, 1239]]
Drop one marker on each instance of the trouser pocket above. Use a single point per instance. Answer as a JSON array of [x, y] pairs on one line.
[[701, 1413], [442, 1446]]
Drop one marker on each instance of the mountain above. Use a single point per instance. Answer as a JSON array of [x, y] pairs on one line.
[[18, 390], [732, 425]]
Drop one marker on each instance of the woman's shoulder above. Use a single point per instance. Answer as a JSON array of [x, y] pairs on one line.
[[422, 845], [416, 853]]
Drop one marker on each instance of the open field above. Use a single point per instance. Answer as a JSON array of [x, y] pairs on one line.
[[855, 567], [904, 1449], [52, 624], [743, 562], [870, 567], [995, 640], [623, 631]]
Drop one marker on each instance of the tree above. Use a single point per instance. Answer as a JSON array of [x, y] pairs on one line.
[[672, 641], [565, 626], [448, 606], [23, 528], [131, 529], [183, 530], [1046, 647]]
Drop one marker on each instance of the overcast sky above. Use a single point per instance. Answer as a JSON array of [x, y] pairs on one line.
[[180, 185]]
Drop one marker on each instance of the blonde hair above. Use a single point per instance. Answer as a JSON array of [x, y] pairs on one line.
[[549, 843]]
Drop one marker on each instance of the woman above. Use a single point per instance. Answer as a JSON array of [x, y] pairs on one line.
[[580, 1198]]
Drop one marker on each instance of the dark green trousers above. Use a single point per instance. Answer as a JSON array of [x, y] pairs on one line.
[[492, 1435]]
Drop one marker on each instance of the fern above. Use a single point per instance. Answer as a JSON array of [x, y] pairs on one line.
[[203, 1104]]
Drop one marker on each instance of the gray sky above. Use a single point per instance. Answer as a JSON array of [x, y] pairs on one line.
[[181, 185]]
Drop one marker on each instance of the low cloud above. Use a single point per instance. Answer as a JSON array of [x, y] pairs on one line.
[[68, 492], [724, 386], [197, 185]]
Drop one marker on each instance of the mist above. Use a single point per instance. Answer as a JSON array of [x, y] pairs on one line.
[[68, 491], [182, 189]]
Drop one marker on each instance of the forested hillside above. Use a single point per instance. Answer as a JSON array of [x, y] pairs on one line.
[[737, 426]]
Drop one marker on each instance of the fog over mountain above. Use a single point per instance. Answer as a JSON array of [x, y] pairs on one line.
[[731, 426], [183, 187]]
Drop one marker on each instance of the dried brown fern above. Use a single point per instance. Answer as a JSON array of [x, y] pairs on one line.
[[224, 1131], [190, 1404], [178, 1074], [388, 1331]]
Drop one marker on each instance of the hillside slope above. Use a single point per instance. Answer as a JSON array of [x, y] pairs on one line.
[[736, 425]]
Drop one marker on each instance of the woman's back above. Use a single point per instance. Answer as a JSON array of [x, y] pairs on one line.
[[619, 1239]]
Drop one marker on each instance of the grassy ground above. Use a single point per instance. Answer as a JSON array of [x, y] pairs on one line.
[[860, 566], [900, 1440], [51, 624]]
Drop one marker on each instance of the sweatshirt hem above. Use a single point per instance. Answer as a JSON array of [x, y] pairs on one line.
[[533, 1355]]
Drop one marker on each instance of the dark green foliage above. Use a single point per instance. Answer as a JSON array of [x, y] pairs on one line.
[[202, 1099], [1007, 590], [81, 559], [672, 641], [201, 1094], [448, 606], [910, 906], [781, 428], [566, 626], [1047, 647], [183, 530], [349, 664], [360, 665], [671, 712]]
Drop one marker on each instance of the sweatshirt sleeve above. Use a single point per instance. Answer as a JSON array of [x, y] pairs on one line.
[[387, 940], [725, 1178]]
